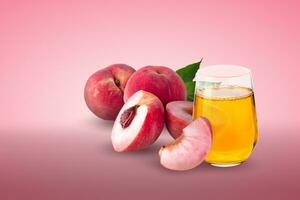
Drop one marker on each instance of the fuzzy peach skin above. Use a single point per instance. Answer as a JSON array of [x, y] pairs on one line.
[[104, 90], [161, 81], [178, 116], [190, 149], [139, 123]]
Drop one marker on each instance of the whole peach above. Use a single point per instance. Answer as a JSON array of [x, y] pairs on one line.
[[160, 81], [104, 90]]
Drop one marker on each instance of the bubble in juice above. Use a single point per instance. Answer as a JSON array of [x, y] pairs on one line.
[[231, 112]]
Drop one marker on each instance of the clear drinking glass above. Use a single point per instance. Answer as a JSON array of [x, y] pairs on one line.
[[224, 95]]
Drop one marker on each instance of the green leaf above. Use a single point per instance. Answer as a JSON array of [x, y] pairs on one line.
[[190, 86], [187, 74]]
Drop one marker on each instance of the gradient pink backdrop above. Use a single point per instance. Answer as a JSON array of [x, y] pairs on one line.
[[52, 147]]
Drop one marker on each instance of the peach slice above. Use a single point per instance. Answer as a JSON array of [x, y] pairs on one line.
[[139, 123], [190, 149], [178, 116]]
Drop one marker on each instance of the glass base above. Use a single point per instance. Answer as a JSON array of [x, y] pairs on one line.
[[225, 164]]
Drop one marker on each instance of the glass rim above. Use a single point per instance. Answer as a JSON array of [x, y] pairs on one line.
[[222, 71]]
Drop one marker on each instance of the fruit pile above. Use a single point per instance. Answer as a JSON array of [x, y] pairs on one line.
[[141, 102]]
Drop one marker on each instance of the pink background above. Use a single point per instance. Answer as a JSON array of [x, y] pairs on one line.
[[52, 147]]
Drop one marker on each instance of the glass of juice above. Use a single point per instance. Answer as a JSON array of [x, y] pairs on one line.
[[224, 95]]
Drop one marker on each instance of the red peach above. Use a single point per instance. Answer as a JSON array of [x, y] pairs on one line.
[[160, 81], [103, 91]]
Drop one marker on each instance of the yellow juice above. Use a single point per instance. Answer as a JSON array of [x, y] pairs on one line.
[[231, 112]]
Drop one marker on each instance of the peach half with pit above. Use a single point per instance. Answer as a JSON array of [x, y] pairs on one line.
[[139, 122]]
